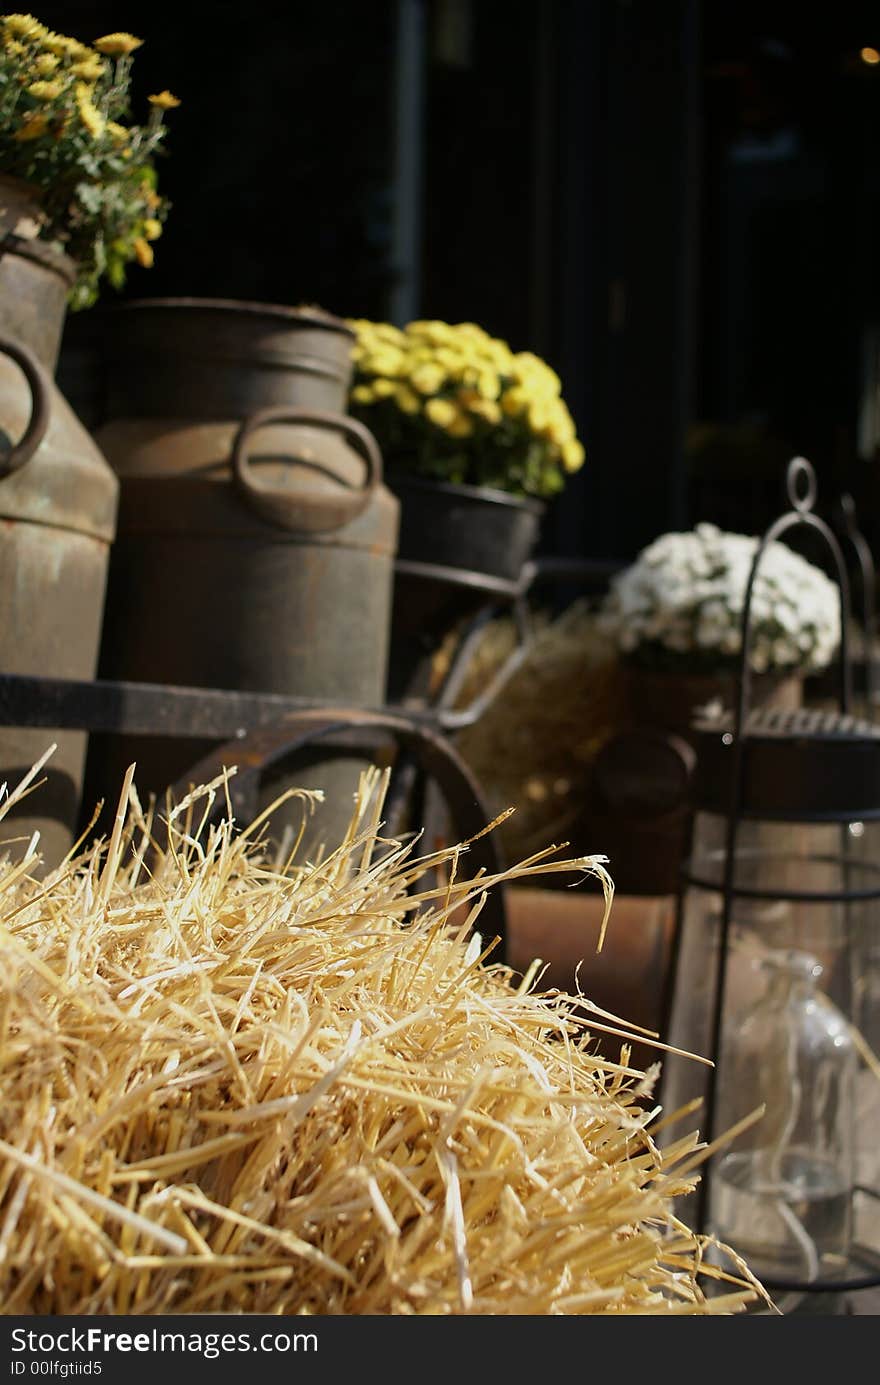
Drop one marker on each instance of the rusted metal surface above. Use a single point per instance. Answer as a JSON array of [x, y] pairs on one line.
[[18, 453], [140, 709], [309, 509], [57, 519], [219, 358], [256, 537], [34, 283], [476, 528]]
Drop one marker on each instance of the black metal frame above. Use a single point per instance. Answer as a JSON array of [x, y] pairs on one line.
[[801, 489], [255, 730], [847, 524]]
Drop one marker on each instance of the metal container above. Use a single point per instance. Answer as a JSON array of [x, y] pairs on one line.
[[256, 538], [461, 548], [57, 517]]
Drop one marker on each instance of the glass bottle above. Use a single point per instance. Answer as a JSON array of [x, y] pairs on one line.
[[781, 1194]]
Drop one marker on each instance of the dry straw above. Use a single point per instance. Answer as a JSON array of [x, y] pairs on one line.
[[535, 745], [238, 1084]]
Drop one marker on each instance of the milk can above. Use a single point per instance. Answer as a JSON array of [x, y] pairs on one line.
[[256, 537], [57, 519]]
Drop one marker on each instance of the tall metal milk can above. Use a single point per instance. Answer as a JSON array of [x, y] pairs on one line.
[[57, 520], [256, 538]]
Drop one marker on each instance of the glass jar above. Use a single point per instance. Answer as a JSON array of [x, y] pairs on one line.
[[781, 1194]]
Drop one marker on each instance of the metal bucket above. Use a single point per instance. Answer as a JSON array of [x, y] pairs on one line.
[[256, 538], [460, 548], [57, 518]]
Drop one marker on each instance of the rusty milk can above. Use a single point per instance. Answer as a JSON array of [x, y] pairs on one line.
[[256, 537], [57, 519]]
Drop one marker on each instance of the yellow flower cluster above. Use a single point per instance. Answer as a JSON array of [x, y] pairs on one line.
[[464, 382], [96, 194], [65, 68]]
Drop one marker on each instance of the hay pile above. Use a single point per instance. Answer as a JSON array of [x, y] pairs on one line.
[[535, 745], [235, 1084]]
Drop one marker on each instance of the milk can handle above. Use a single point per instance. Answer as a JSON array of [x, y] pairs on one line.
[[311, 514], [38, 422]]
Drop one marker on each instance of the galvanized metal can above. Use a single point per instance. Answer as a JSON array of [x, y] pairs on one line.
[[57, 521], [256, 537]]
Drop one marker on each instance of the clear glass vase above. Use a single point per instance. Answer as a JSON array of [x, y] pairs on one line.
[[781, 1194]]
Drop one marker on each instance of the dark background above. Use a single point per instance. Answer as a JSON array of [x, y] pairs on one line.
[[675, 203]]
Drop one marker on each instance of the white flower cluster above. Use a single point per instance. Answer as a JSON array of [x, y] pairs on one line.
[[681, 603]]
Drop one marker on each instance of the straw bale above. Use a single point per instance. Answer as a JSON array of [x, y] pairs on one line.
[[535, 745], [233, 1083]]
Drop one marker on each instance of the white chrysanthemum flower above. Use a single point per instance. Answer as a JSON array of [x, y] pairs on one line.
[[685, 594]]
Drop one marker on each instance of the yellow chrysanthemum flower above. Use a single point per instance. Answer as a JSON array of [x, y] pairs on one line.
[[427, 379], [89, 114], [538, 416], [453, 362], [514, 401], [13, 46], [143, 252], [561, 424], [164, 101], [484, 382], [487, 409], [92, 70], [117, 45], [64, 47], [426, 327], [32, 128], [573, 455], [45, 64], [385, 361], [460, 427], [54, 44], [24, 26], [407, 400], [500, 354], [152, 228], [385, 331], [46, 91], [118, 132], [442, 412], [465, 382], [473, 331]]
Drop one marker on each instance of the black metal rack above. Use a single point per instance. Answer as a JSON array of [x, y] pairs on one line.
[[254, 730], [810, 766]]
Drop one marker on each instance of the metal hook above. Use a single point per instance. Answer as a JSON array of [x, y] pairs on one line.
[[799, 475]]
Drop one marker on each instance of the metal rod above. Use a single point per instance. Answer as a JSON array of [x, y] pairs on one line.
[[801, 488]]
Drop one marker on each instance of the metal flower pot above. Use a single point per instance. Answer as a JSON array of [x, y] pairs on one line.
[[460, 546]]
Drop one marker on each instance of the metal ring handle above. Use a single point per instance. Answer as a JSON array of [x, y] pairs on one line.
[[38, 422], [800, 483], [312, 514]]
